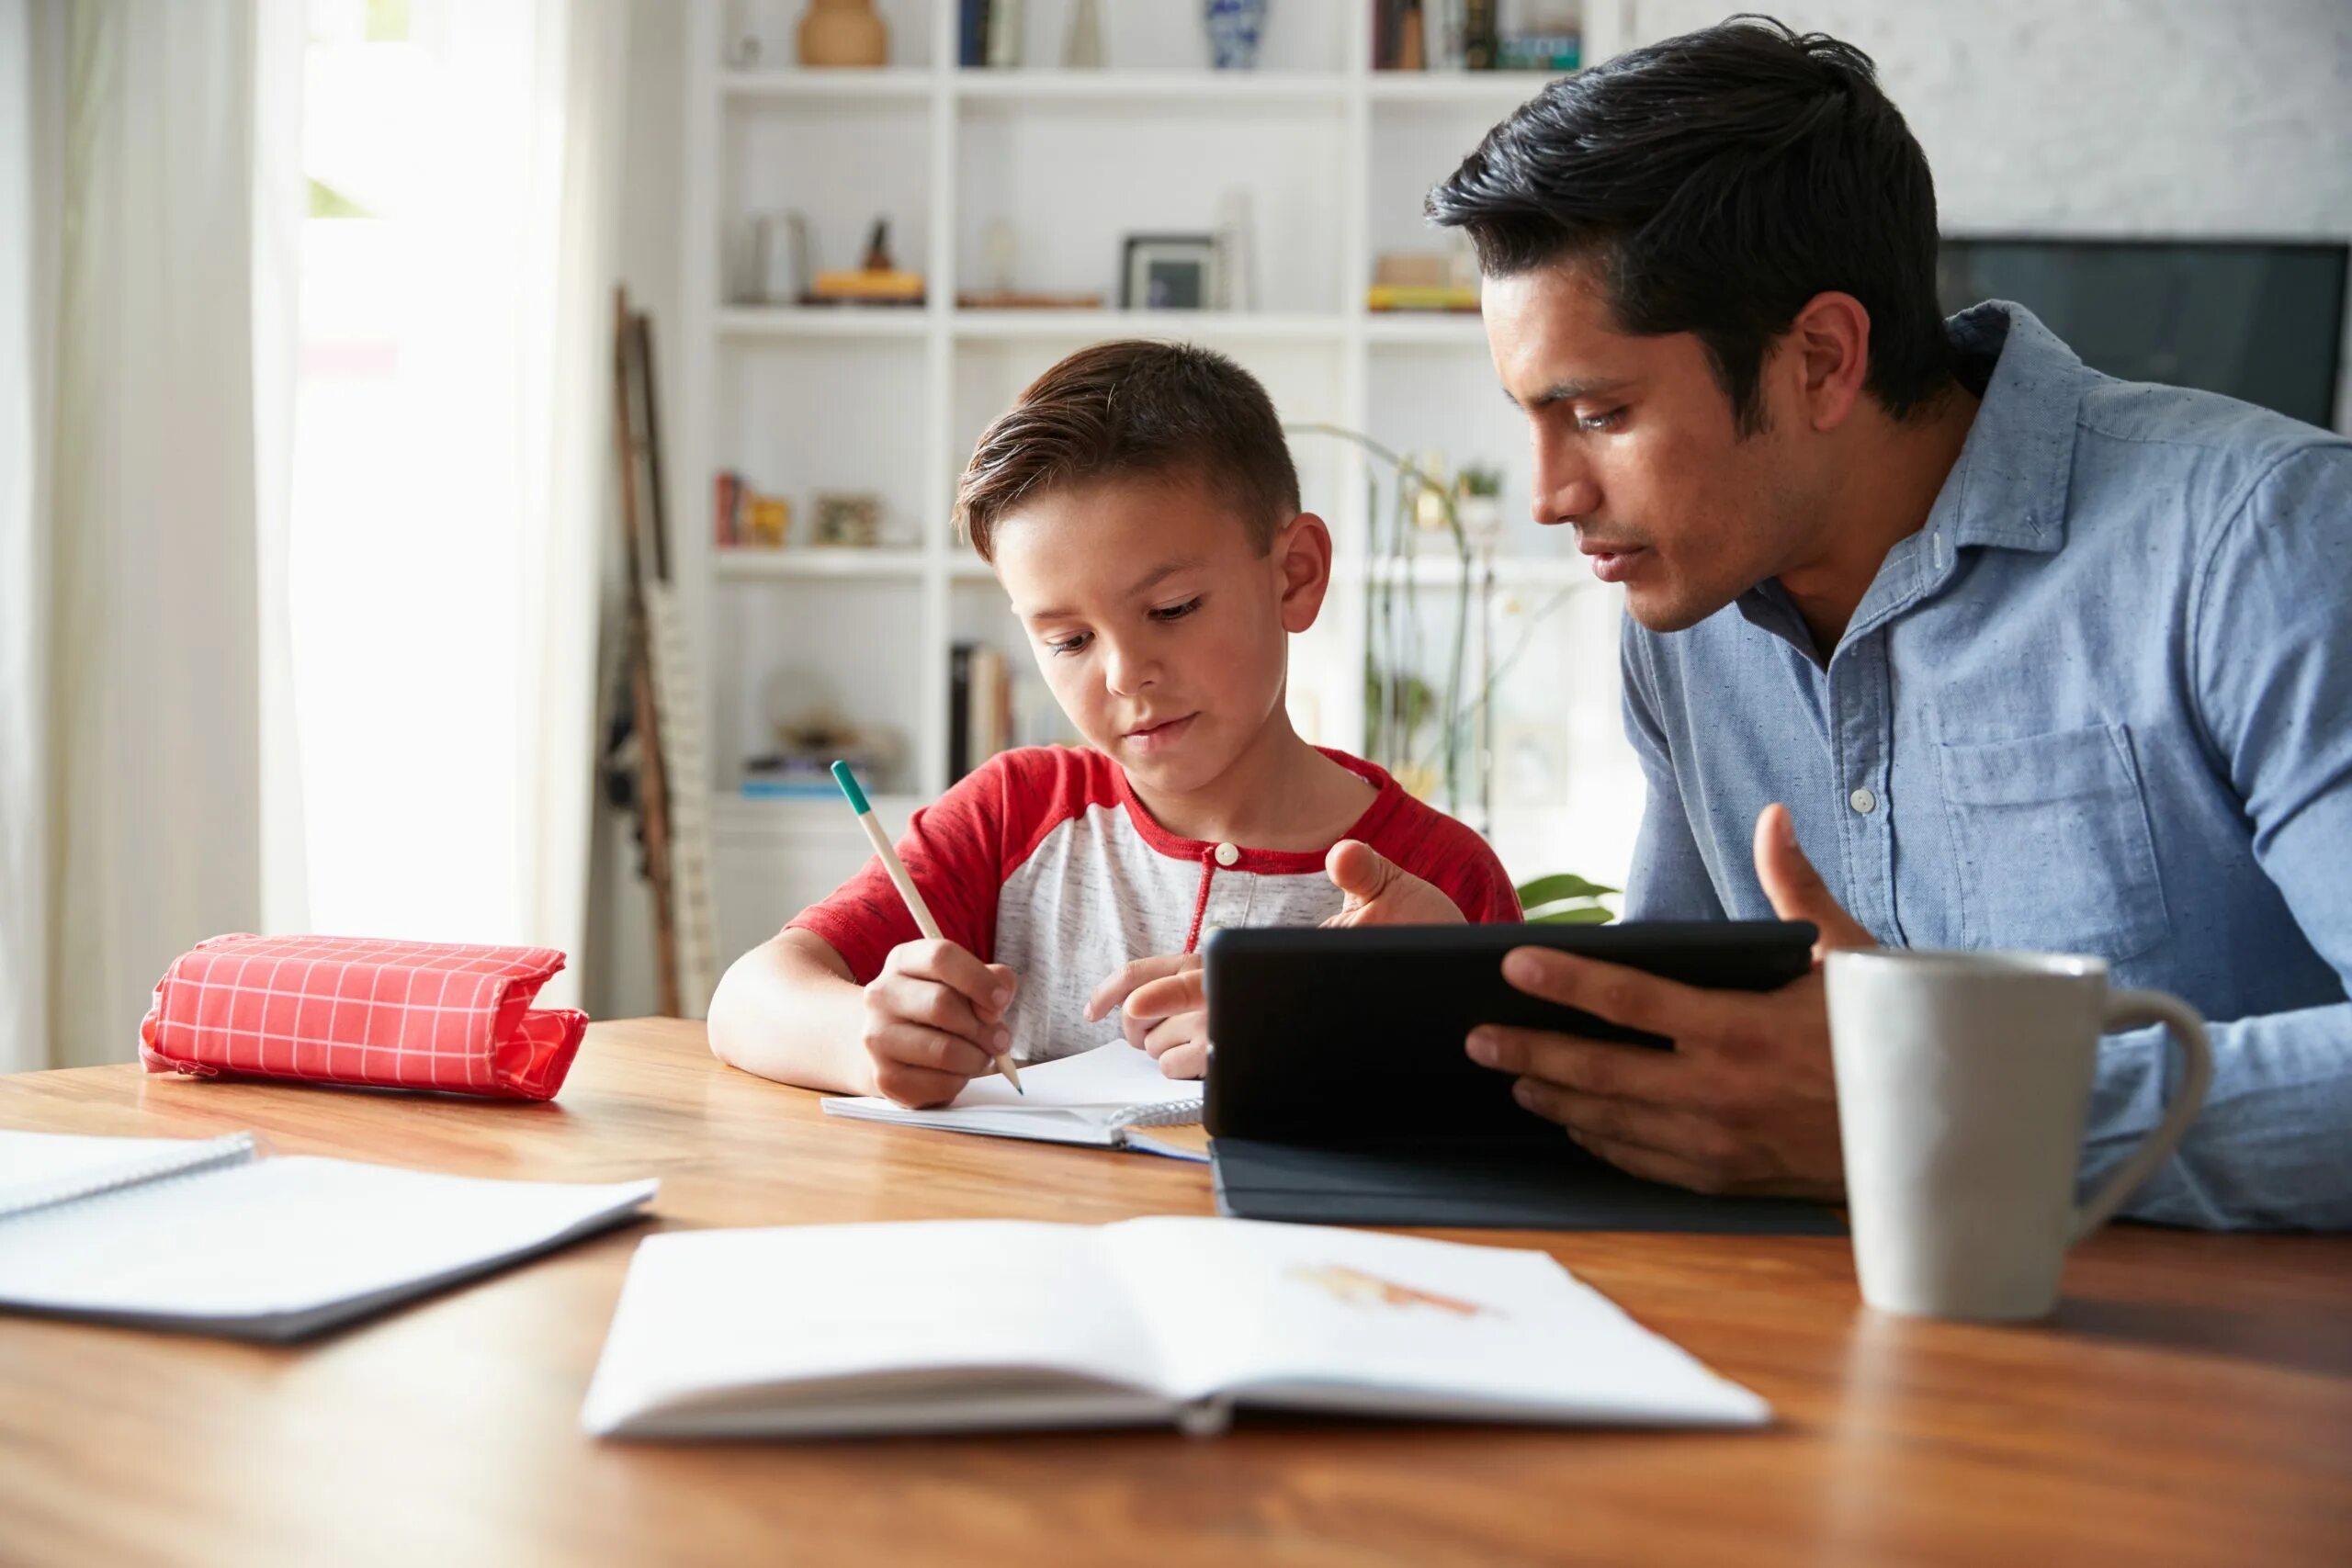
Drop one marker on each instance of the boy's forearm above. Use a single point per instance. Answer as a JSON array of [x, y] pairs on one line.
[[786, 1012]]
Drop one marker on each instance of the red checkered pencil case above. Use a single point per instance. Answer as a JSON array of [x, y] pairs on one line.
[[363, 1010]]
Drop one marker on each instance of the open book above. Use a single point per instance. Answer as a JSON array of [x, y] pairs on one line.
[[1110, 1096], [948, 1326], [204, 1237]]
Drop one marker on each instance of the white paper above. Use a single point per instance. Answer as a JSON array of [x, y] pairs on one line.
[[39, 1168], [1073, 1099], [277, 1246]]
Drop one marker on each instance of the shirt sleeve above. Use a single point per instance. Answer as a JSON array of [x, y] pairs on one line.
[[2271, 650], [1668, 878], [954, 851]]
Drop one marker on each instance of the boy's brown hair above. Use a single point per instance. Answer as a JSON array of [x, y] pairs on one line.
[[1134, 408]]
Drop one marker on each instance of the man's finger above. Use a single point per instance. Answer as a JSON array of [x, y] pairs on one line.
[[1666, 1130], [1185, 992], [930, 1050], [1184, 1028], [929, 1004], [1631, 998], [1128, 975], [1796, 889], [1587, 1067], [1655, 1165]]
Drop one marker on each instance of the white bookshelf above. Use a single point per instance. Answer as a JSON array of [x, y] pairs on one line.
[[1334, 158]]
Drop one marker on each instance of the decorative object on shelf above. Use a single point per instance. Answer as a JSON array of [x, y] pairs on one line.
[[877, 282], [1420, 281], [836, 33], [846, 520], [1235, 28], [1082, 47], [806, 745], [770, 264], [767, 521], [1237, 252], [1539, 35], [1566, 899], [1005, 23], [1478, 503], [1169, 272]]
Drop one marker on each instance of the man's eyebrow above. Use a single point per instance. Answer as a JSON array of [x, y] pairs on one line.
[[1143, 585], [1568, 392]]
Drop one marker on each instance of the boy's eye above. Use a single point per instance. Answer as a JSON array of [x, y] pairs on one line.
[[1600, 422], [1177, 612], [1070, 644]]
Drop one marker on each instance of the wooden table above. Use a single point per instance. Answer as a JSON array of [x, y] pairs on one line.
[[2192, 1401]]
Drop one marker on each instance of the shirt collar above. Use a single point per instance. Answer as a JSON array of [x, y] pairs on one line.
[[2010, 486]]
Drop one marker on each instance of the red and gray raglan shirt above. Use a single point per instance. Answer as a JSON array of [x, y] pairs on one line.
[[1045, 861]]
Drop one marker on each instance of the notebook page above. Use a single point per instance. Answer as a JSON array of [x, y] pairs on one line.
[[1076, 1098], [241, 1249], [1317, 1317], [919, 1326], [40, 1169]]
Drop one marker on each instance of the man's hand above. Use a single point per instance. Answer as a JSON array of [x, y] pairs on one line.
[[1745, 1103], [1382, 894], [1163, 1011], [935, 1020]]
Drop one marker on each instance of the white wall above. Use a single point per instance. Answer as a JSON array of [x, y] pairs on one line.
[[2088, 117], [2189, 117]]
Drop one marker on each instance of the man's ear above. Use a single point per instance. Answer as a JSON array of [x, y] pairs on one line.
[[1302, 557], [1829, 345]]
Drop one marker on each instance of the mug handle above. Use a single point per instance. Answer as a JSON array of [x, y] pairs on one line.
[[2128, 1009]]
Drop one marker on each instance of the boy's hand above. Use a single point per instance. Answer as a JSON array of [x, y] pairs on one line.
[[1163, 1011], [935, 1020], [1383, 894]]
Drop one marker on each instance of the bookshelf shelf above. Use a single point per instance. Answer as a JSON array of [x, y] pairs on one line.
[[888, 82], [1011, 89], [829, 320], [1090, 325], [747, 563], [1497, 89], [1406, 329]]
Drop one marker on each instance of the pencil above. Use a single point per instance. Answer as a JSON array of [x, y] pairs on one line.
[[905, 886]]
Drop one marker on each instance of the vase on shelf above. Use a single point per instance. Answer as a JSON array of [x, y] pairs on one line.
[[843, 33], [1235, 28], [1083, 49]]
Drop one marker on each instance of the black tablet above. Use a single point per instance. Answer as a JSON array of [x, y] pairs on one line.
[[1354, 1034]]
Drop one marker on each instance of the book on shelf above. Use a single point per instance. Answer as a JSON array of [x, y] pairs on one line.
[[972, 33], [1421, 296], [979, 706], [726, 504], [1478, 35], [1004, 24], [1539, 35]]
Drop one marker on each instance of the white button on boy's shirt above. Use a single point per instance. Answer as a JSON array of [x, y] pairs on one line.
[[1227, 854], [1862, 801]]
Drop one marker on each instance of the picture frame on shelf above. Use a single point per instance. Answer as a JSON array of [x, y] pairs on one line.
[[1169, 272], [846, 520]]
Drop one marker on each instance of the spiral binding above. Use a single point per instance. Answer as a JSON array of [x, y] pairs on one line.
[[196, 1158], [1175, 1113]]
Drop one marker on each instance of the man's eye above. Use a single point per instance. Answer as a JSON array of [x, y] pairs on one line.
[[1068, 644], [1177, 612], [1600, 421]]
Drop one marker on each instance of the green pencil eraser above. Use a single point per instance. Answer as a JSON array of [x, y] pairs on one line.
[[848, 781]]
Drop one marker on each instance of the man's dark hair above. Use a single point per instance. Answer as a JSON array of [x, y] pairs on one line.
[[1716, 182], [1135, 409]]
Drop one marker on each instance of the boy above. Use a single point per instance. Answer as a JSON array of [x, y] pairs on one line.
[[1139, 506]]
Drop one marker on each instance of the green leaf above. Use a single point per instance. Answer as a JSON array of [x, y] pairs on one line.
[[1553, 889], [1570, 915]]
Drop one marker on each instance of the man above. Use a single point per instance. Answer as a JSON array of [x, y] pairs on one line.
[[2035, 659]]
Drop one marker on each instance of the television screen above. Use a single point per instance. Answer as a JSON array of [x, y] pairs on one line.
[[2260, 322]]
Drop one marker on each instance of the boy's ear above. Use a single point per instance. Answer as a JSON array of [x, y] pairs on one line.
[[1302, 555]]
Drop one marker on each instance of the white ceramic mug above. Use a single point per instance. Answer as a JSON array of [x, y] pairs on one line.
[[1963, 1078]]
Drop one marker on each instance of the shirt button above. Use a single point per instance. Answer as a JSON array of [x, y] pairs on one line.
[[1227, 854], [1862, 801]]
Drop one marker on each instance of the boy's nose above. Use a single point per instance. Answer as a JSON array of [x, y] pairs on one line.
[[1127, 674]]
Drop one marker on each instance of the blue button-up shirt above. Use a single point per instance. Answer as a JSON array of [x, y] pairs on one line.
[[2101, 702]]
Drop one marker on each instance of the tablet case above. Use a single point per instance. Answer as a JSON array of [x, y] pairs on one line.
[[1338, 1090]]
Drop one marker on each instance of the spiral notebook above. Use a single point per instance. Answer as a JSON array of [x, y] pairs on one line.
[[1114, 1097], [205, 1236]]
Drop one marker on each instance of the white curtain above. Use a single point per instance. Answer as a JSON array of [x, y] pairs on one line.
[[130, 781], [450, 505], [252, 678]]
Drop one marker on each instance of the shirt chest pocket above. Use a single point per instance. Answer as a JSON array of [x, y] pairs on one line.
[[2051, 836]]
